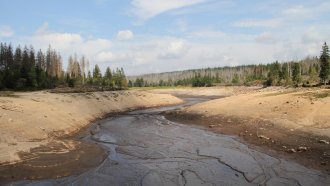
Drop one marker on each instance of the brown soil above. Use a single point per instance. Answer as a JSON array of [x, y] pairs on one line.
[[54, 160], [302, 147], [31, 119]]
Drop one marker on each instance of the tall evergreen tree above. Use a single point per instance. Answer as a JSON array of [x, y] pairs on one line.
[[97, 76], [324, 64], [296, 73], [108, 77]]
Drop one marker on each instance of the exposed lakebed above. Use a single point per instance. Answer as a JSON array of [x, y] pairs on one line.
[[144, 148]]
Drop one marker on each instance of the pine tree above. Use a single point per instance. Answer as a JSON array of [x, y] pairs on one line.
[[324, 64], [8, 63], [108, 77], [97, 76], [274, 74], [296, 73], [89, 78]]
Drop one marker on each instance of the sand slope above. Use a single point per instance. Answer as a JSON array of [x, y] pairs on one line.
[[305, 109], [31, 119]]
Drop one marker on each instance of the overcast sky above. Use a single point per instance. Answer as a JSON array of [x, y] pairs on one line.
[[145, 36]]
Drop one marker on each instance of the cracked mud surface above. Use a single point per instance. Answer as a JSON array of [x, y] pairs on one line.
[[144, 148]]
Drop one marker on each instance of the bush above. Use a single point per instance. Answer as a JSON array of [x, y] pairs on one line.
[[71, 82]]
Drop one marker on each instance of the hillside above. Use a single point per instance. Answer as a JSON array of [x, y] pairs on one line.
[[277, 73]]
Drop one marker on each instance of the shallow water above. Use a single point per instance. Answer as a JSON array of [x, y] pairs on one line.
[[144, 148]]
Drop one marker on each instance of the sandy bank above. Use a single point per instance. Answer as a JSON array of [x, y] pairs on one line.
[[29, 120], [222, 91], [304, 109], [294, 123]]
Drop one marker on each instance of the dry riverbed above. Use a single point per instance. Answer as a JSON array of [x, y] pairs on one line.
[[41, 134], [37, 128], [292, 123]]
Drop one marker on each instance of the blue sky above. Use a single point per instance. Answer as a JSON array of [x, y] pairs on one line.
[[145, 36]]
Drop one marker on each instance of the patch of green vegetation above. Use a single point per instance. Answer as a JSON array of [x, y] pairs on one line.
[[7, 94], [322, 94], [317, 95], [280, 93]]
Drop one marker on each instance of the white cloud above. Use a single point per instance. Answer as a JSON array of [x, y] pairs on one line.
[[208, 34], [258, 23], [68, 44], [6, 31], [198, 49], [125, 35], [145, 9], [105, 57], [296, 11], [174, 49], [266, 38]]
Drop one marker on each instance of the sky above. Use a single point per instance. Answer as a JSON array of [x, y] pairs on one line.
[[150, 36]]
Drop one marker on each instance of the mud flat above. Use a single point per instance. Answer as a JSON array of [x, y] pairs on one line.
[[37, 129], [292, 123]]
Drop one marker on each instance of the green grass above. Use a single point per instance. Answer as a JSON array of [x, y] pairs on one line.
[[322, 94], [317, 95]]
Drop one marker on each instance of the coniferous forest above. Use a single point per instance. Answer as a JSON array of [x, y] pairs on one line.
[[311, 71], [24, 68]]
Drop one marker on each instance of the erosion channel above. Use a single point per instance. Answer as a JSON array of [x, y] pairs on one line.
[[144, 148]]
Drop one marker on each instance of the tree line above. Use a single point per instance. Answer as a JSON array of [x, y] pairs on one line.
[[26, 69], [310, 71]]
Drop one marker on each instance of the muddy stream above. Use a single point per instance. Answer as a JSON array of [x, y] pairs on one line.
[[144, 148]]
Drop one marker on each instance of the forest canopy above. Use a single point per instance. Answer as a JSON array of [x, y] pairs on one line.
[[311, 71], [27, 69]]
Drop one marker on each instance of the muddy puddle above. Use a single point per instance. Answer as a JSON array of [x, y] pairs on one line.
[[144, 148]]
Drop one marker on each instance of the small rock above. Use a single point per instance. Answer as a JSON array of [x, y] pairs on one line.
[[323, 163], [312, 103], [212, 126], [284, 147], [302, 149], [291, 151], [264, 137], [323, 141]]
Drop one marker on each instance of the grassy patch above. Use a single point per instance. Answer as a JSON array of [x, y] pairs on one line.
[[322, 94], [317, 95], [280, 93]]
